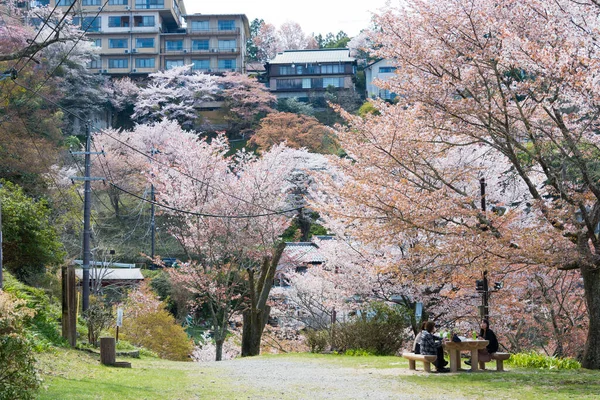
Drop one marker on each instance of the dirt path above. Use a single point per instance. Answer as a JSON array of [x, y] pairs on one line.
[[271, 378]]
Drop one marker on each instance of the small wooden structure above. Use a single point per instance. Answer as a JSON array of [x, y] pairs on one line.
[[108, 353], [69, 305], [426, 359]]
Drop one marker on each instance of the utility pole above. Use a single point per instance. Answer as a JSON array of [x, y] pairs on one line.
[[153, 152], [1, 241], [87, 213], [152, 223]]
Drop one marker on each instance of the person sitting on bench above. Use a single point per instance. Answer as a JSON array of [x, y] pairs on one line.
[[432, 345]]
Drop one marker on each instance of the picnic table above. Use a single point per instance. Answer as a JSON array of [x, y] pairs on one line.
[[454, 349]]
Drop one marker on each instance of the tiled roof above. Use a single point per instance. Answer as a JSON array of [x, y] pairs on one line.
[[312, 56], [113, 274], [300, 253]]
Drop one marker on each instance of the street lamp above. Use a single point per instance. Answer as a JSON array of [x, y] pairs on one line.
[[481, 286]]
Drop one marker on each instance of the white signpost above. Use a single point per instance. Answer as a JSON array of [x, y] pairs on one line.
[[119, 321]]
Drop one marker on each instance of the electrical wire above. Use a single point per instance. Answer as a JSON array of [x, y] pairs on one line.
[[54, 30], [197, 214], [190, 176], [64, 58]]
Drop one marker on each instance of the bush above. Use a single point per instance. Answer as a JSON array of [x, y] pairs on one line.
[[378, 330], [317, 341], [18, 376], [541, 361], [98, 317], [43, 330], [146, 323]]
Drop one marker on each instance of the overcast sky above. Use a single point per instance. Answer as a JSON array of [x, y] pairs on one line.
[[315, 16]]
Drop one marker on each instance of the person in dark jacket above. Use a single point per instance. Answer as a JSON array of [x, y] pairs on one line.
[[433, 345], [486, 333]]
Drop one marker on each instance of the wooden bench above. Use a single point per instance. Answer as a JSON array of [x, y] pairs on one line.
[[499, 357], [412, 358]]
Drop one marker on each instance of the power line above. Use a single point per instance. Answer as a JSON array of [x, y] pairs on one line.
[[44, 23], [60, 63], [188, 175], [197, 214]]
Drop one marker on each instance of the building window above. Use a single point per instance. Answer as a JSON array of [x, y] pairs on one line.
[[139, 20], [118, 22], [227, 25], [95, 63], [200, 64], [118, 43], [173, 63], [199, 26], [306, 83], [227, 44], [144, 62], [199, 44], [144, 43], [287, 70], [118, 63], [227, 64], [150, 4], [91, 24], [335, 82], [118, 2], [64, 2], [332, 69], [90, 2], [97, 42], [174, 45], [383, 70], [290, 83]]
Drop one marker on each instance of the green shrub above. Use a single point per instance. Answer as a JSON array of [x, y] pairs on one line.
[[358, 353], [43, 330], [317, 341], [541, 361], [18, 376], [378, 330], [146, 323]]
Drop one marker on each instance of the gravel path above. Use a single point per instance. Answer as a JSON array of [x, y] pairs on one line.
[[315, 379]]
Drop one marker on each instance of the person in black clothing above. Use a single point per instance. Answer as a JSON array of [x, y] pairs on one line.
[[433, 345], [486, 333]]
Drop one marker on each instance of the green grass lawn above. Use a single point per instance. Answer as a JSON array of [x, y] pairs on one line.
[[69, 374]]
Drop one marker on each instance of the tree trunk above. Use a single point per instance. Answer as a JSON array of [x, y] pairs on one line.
[[255, 317], [591, 283], [254, 325], [219, 347]]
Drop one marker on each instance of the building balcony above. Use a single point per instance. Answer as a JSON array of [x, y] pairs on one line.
[[213, 32], [188, 50]]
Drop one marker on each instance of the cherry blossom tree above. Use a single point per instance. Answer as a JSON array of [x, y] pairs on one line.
[[267, 42], [173, 94], [246, 100], [501, 91], [22, 41], [292, 37], [230, 214]]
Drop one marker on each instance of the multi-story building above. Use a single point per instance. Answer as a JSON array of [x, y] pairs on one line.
[[296, 73], [211, 43], [144, 36], [381, 70]]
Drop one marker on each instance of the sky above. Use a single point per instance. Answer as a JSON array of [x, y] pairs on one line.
[[314, 16]]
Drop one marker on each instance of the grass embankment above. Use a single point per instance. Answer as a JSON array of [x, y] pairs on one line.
[[76, 375], [69, 374]]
